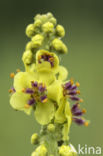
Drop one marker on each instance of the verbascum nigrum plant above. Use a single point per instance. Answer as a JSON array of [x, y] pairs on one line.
[[43, 88]]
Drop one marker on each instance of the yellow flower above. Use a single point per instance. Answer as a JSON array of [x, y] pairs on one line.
[[46, 61]]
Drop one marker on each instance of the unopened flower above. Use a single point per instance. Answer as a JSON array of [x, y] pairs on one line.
[[67, 151], [58, 46], [34, 138], [60, 31], [48, 27], [30, 30], [40, 151]]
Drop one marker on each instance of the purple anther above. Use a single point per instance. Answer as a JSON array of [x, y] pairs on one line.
[[79, 121], [43, 98], [29, 91], [68, 85], [78, 113], [31, 101], [41, 88], [74, 92], [74, 108], [73, 87], [74, 98], [34, 84]]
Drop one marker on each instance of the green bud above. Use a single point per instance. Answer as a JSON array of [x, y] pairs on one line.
[[49, 14], [30, 30], [27, 57], [40, 151], [51, 128], [53, 20], [37, 23], [48, 27], [37, 40], [60, 31], [34, 138], [59, 46], [67, 151], [38, 16], [44, 18], [29, 45]]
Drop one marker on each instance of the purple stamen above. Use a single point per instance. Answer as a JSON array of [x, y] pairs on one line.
[[13, 89], [41, 88], [42, 98], [75, 108], [73, 87], [47, 58], [74, 98], [68, 85], [78, 113], [31, 101], [52, 64], [29, 91], [74, 92], [79, 121], [34, 84]]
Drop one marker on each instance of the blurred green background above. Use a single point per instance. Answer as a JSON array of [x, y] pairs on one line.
[[83, 22]]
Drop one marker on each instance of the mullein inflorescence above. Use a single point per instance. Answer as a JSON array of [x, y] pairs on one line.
[[43, 88]]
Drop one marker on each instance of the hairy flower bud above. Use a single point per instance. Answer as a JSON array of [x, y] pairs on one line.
[[51, 128], [48, 27], [40, 151], [67, 151], [58, 46], [34, 138], [60, 31], [30, 30], [37, 40], [27, 57]]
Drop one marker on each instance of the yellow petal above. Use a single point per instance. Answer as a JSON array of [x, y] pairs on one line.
[[46, 78], [23, 80], [55, 91], [19, 100], [63, 73], [67, 125], [44, 112], [59, 114]]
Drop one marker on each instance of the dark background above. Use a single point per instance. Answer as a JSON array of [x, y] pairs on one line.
[[83, 22]]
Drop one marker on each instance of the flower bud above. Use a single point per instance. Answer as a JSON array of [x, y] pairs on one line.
[[59, 46], [30, 30], [40, 151], [34, 138], [60, 31], [27, 57], [49, 14], [48, 27], [51, 128], [37, 23], [37, 40], [53, 20], [67, 151], [29, 45]]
